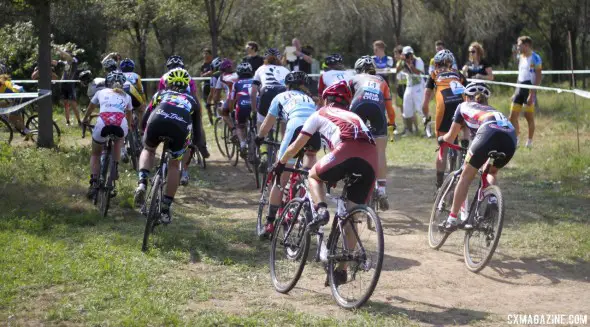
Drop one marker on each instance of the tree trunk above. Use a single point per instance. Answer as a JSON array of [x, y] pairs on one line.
[[45, 137], [396, 15], [141, 37]]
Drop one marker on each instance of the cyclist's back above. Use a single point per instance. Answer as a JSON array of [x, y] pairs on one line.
[[372, 102], [241, 95], [271, 81], [449, 84]]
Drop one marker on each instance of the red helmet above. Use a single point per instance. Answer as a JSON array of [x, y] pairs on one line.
[[339, 90]]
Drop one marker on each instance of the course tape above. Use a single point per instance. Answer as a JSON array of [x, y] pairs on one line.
[[578, 92], [42, 94]]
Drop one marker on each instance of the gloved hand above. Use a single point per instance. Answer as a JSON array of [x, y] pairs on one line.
[[258, 140], [440, 140], [278, 169]]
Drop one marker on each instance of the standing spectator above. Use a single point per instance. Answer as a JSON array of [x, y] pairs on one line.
[[382, 61], [401, 79], [477, 67], [529, 72], [68, 89], [297, 59], [206, 71], [414, 94], [439, 45], [252, 56]]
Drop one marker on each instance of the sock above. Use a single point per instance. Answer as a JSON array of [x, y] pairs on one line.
[[440, 176], [167, 202], [452, 217], [143, 175], [382, 185], [272, 213]]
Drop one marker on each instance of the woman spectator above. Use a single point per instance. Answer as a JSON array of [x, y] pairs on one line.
[[477, 67]]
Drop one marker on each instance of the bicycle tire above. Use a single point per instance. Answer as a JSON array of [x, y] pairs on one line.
[[302, 236], [133, 152], [6, 132], [452, 162], [104, 189], [32, 124], [443, 191], [230, 149], [253, 156], [200, 160], [218, 131], [210, 114], [340, 299], [152, 216], [262, 207], [471, 265]]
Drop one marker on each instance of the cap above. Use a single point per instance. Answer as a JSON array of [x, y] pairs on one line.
[[407, 50]]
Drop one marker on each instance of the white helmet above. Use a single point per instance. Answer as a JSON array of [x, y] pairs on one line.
[[364, 64], [444, 56], [473, 89]]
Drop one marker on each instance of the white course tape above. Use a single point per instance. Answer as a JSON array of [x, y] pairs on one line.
[[8, 110], [578, 92], [29, 95]]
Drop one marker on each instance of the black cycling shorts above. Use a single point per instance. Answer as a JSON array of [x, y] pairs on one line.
[[314, 144], [488, 138], [206, 90], [521, 95], [267, 94], [372, 112], [401, 89], [169, 121], [68, 91]]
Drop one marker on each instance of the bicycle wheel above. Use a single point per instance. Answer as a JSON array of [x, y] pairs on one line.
[[210, 114], [440, 212], [481, 242], [230, 147], [218, 130], [104, 186], [132, 150], [290, 246], [263, 207], [200, 160], [5, 131], [362, 261], [153, 210], [32, 123], [253, 157], [452, 160]]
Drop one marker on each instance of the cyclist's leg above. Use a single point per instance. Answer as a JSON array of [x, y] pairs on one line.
[[242, 116], [529, 115], [518, 100], [407, 109]]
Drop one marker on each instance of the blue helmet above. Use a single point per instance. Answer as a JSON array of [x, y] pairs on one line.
[[127, 65]]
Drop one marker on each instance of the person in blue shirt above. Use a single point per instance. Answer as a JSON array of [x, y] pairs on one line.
[[383, 63]]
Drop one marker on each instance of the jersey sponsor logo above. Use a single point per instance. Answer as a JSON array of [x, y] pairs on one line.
[[457, 87], [170, 116]]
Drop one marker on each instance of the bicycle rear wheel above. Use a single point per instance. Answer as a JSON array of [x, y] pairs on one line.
[[5, 131], [230, 147], [290, 246], [263, 207], [440, 212], [481, 241], [219, 135], [105, 186], [132, 150], [361, 262], [32, 124], [153, 210]]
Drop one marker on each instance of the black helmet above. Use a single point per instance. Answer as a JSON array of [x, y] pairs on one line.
[[334, 59], [244, 69], [296, 78], [85, 76], [272, 52], [174, 61]]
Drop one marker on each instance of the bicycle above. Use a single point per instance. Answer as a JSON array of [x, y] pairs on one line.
[[152, 207], [105, 184], [484, 214], [292, 238], [133, 143]]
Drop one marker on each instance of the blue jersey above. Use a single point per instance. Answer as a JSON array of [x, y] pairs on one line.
[[383, 62], [292, 104], [241, 92]]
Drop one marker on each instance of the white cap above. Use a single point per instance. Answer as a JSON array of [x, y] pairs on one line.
[[407, 49]]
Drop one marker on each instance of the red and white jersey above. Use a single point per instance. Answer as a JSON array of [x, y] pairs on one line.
[[226, 81], [332, 77], [336, 126]]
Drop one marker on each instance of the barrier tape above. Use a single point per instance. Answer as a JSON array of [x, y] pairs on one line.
[[578, 92], [8, 110]]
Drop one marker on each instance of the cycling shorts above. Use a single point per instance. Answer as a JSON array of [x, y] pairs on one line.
[[314, 144], [351, 157], [491, 137], [521, 95], [267, 94], [243, 113], [374, 114], [444, 117], [136, 97], [109, 123], [206, 90], [68, 91], [169, 121]]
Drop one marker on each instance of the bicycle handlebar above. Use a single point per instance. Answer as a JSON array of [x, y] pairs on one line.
[[84, 125], [298, 171]]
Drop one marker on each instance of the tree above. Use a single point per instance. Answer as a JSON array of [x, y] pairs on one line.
[[396, 15], [43, 26], [218, 11]]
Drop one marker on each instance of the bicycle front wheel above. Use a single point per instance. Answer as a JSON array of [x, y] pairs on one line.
[[481, 241], [153, 211], [263, 207], [440, 212], [355, 258], [230, 147], [5, 131], [290, 246], [33, 125]]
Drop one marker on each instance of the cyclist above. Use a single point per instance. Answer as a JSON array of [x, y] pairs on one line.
[[294, 106], [113, 119], [334, 72], [490, 130], [239, 99], [449, 84], [226, 81], [172, 113], [269, 80], [372, 102], [133, 86], [353, 152], [93, 84], [215, 73], [110, 65], [6, 86]]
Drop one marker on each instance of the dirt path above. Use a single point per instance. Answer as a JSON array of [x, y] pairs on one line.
[[430, 287]]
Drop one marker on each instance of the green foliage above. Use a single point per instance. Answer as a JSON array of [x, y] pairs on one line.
[[18, 47]]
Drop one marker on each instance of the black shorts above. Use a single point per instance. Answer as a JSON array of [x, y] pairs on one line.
[[521, 95], [314, 144], [444, 119], [68, 91], [206, 90], [161, 124], [373, 113], [267, 94], [488, 138]]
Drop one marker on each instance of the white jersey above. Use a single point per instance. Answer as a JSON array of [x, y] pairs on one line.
[[270, 75], [332, 77], [111, 101], [527, 67]]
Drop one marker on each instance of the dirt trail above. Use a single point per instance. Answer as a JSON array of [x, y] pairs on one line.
[[430, 287]]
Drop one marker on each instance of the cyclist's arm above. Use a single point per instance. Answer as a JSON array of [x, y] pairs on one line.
[[453, 132], [254, 96], [427, 96], [231, 99], [91, 106], [321, 85], [139, 87], [292, 150]]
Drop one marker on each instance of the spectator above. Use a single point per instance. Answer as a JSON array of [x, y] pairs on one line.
[[252, 56], [382, 62], [400, 78], [296, 58], [206, 71], [439, 45], [477, 67], [529, 72], [68, 89], [414, 67]]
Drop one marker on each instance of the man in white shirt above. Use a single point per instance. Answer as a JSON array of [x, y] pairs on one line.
[[414, 94]]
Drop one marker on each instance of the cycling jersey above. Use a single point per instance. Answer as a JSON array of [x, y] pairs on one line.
[[241, 94], [226, 81], [331, 77], [111, 101], [267, 75], [449, 86], [475, 115], [8, 87], [527, 67], [111, 119], [372, 102], [134, 88], [383, 63]]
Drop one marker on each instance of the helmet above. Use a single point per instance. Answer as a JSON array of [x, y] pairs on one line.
[[296, 78], [244, 69], [334, 59], [339, 90], [216, 63], [272, 52], [174, 61], [115, 77], [110, 65], [226, 64], [127, 65], [444, 56], [473, 89], [178, 77], [364, 63], [85, 76]]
